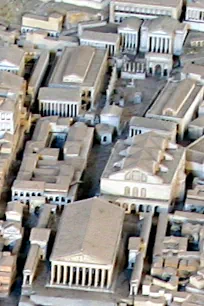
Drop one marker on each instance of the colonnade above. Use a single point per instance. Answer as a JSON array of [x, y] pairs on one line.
[[112, 47], [80, 276], [58, 109], [128, 40], [160, 44], [192, 14], [134, 67]]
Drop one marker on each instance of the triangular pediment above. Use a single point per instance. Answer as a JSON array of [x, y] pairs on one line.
[[160, 32], [80, 257]]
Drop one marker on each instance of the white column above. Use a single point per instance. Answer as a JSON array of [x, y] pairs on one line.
[[170, 45], [126, 40], [77, 275], [109, 278], [65, 275], [58, 274], [83, 276], [96, 277], [157, 44], [103, 277], [70, 275], [166, 45], [52, 274], [153, 44], [161, 45], [90, 277]]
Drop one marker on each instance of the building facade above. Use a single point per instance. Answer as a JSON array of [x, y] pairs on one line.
[[177, 102], [81, 67], [83, 263], [141, 171], [63, 102], [109, 41], [129, 34], [162, 35], [144, 9], [44, 172], [51, 24], [195, 15]]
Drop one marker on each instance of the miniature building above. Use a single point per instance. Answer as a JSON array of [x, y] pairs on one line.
[[82, 67], [144, 9], [80, 261], [12, 92], [141, 125], [194, 157], [136, 274], [44, 172], [14, 211], [111, 115], [109, 41], [134, 246], [12, 59], [63, 102], [75, 18], [180, 108], [41, 40], [158, 64], [94, 4], [129, 34], [196, 128], [134, 70], [31, 264], [195, 199], [7, 272], [193, 72], [38, 74], [142, 170], [195, 15], [174, 255], [52, 24], [104, 133], [169, 42], [40, 237]]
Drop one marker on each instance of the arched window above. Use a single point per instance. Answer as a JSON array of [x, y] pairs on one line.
[[135, 192], [143, 193], [127, 191]]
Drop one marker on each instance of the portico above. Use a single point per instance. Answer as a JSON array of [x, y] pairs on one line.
[[160, 44], [129, 33], [80, 275], [86, 246]]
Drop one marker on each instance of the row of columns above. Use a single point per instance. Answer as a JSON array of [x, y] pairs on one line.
[[60, 109], [111, 47], [194, 14], [137, 207], [134, 67], [80, 276], [142, 10], [159, 44], [128, 40]]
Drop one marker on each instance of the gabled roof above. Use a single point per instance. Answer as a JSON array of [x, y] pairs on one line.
[[12, 55], [165, 25], [131, 23], [89, 232]]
